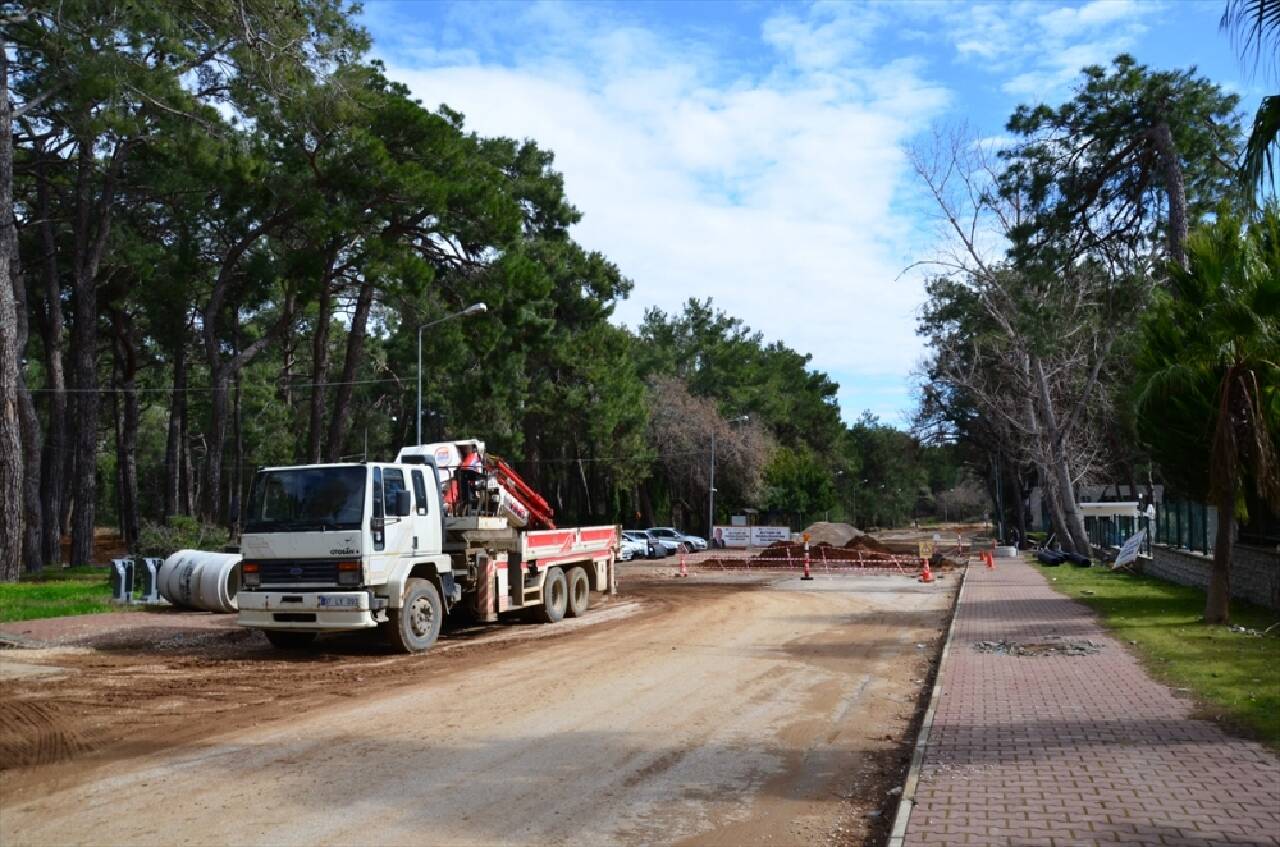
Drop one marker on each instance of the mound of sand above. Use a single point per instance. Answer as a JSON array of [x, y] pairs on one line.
[[835, 534]]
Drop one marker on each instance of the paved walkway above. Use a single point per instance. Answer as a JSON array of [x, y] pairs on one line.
[[1075, 749]]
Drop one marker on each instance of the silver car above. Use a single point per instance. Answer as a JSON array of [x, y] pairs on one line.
[[676, 541]]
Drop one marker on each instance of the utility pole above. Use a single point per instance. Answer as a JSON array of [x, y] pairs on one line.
[[711, 493], [473, 309]]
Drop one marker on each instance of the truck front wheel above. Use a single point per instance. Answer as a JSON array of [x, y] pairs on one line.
[[414, 627], [579, 593], [555, 597]]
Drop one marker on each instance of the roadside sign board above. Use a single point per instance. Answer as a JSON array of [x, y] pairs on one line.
[[763, 536], [926, 549], [732, 536], [1129, 550]]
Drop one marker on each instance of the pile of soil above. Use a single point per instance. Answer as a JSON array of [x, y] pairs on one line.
[[819, 553], [868, 543], [834, 534]]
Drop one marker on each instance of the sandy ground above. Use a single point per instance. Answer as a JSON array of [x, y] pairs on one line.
[[712, 710]]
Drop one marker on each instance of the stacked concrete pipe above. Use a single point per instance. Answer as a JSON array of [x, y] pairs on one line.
[[199, 579]]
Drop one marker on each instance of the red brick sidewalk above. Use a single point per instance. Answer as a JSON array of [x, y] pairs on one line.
[[1075, 749]]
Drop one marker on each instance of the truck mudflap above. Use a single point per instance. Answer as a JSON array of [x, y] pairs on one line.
[[306, 610]]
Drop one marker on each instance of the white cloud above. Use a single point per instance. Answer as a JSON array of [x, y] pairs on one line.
[[1044, 46], [775, 192]]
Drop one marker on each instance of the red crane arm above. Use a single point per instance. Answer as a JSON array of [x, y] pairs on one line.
[[540, 511]]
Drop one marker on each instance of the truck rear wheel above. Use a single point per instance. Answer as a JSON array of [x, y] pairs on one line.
[[579, 593], [289, 639], [414, 627], [555, 597]]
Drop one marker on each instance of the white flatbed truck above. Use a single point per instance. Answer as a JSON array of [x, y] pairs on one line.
[[400, 545]]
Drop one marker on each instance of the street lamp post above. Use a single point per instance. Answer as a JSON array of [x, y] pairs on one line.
[[473, 309], [711, 494]]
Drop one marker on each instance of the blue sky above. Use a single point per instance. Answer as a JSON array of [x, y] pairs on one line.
[[755, 152]]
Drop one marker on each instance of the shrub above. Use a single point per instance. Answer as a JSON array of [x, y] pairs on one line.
[[179, 532]]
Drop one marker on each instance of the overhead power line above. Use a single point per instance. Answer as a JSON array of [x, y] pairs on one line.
[[190, 389]]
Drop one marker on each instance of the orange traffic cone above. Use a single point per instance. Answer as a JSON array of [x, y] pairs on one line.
[[683, 570], [807, 574], [990, 559], [926, 575]]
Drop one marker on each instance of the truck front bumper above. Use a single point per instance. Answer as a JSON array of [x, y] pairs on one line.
[[311, 611]]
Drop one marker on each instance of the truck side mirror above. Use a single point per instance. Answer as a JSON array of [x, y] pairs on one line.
[[403, 505]]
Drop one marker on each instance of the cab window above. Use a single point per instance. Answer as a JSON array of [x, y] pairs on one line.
[[392, 483], [420, 492], [379, 514]]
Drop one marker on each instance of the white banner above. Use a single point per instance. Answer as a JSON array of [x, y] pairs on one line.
[[763, 536], [1129, 551], [731, 536]]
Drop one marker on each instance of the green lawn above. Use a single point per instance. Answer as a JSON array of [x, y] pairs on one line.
[[1237, 676], [58, 593]]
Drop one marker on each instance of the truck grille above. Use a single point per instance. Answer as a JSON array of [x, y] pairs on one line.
[[298, 572]]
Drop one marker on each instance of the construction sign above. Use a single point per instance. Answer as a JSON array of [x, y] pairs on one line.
[[926, 549]]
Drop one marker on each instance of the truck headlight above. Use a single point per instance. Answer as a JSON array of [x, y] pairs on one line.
[[250, 574], [348, 573]]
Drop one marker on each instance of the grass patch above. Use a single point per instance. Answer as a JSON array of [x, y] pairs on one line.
[[57, 593], [1237, 675]]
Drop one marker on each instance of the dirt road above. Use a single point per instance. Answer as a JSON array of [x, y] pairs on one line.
[[716, 713]]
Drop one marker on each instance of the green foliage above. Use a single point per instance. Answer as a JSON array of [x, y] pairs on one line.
[[1236, 674], [1217, 328], [57, 593], [798, 484], [1092, 171], [891, 475], [1255, 26], [179, 532]]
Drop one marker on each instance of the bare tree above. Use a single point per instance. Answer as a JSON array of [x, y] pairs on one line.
[[1029, 342]]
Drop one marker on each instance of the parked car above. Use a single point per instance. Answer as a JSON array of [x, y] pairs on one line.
[[634, 544], [657, 550], [697, 542], [674, 540]]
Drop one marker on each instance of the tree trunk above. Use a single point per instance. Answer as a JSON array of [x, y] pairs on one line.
[[92, 230], [1022, 508], [1175, 188], [212, 507], [188, 494], [319, 370], [11, 458], [1049, 485], [237, 467], [1059, 469], [1217, 604], [31, 437], [355, 346], [127, 426], [222, 372], [173, 499], [57, 452]]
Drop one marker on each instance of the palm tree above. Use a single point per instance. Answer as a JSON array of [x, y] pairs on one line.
[[1209, 374], [1255, 28]]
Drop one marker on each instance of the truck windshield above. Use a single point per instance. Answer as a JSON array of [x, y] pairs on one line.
[[306, 499]]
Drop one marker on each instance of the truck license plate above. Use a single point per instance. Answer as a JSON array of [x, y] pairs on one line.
[[339, 601]]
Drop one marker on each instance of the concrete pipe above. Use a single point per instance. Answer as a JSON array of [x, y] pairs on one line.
[[199, 579]]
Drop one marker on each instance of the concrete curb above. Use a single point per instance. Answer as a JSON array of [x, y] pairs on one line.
[[906, 803]]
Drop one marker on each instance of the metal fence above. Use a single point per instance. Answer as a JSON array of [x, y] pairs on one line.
[[1114, 530], [1187, 524]]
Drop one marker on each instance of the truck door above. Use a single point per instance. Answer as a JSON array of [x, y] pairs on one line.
[[397, 532]]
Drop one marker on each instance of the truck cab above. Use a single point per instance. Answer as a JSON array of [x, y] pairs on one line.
[[331, 547]]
